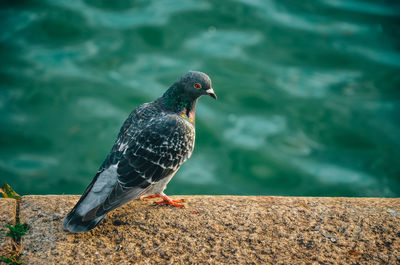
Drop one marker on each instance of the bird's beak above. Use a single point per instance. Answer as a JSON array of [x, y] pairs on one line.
[[211, 93]]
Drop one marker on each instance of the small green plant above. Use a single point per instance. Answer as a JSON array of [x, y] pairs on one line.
[[17, 231], [11, 255], [8, 192], [12, 259]]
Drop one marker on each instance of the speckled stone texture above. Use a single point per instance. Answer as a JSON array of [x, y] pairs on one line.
[[219, 230], [7, 216]]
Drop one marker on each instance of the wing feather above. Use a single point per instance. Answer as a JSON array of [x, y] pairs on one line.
[[151, 155], [151, 145]]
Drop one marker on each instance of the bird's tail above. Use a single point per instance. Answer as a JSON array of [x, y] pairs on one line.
[[76, 223]]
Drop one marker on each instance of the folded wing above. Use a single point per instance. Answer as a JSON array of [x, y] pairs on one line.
[[144, 153]]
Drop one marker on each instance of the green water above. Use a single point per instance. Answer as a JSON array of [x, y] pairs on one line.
[[308, 92]]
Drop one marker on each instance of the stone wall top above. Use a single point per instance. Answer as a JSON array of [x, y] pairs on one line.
[[218, 230]]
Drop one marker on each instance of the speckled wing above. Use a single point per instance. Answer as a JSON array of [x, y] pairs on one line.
[[149, 150], [151, 146]]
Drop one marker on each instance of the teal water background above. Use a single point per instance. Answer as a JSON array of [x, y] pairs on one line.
[[308, 92]]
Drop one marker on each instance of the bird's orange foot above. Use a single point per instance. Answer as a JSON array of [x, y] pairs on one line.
[[166, 200], [175, 203]]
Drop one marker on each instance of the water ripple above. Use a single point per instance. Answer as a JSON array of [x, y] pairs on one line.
[[151, 12], [272, 11], [222, 43], [365, 7], [252, 132], [386, 57], [304, 82]]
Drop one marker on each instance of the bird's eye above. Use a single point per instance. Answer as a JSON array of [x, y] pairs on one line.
[[197, 85]]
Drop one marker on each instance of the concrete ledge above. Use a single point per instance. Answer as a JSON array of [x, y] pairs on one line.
[[219, 230]]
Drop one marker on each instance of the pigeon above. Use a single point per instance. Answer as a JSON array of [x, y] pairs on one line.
[[154, 141]]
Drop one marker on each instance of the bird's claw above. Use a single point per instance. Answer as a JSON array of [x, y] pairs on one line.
[[166, 200], [175, 203]]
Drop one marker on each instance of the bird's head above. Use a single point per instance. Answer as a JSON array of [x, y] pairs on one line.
[[183, 94], [196, 84]]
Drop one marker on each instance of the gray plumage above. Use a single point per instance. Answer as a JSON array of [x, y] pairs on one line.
[[152, 144]]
